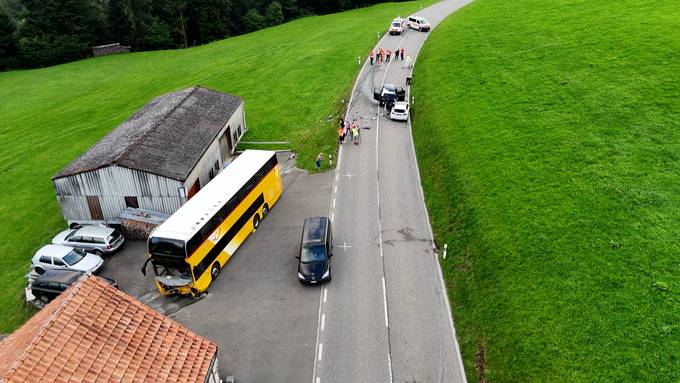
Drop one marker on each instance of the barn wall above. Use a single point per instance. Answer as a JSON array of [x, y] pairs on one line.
[[112, 184], [212, 154]]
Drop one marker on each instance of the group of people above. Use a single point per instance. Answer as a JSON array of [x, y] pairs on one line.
[[348, 129], [385, 55]]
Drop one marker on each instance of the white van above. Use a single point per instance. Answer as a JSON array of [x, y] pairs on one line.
[[418, 23], [397, 26]]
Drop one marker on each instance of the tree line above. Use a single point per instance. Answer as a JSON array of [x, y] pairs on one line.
[[37, 33]]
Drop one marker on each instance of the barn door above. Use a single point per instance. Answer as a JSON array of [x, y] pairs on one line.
[[194, 189], [95, 208]]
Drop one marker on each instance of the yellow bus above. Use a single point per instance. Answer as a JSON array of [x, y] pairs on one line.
[[189, 249]]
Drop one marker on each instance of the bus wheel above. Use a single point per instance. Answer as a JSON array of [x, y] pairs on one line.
[[256, 221], [215, 270], [265, 210]]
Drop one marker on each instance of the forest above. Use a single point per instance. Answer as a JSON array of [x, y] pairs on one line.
[[39, 33]]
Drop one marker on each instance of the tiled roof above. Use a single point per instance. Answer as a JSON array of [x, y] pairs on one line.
[[166, 137], [95, 333]]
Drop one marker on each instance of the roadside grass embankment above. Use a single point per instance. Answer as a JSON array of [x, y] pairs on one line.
[[548, 139], [292, 77]]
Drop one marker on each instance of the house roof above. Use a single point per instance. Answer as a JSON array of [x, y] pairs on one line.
[[167, 137], [93, 332]]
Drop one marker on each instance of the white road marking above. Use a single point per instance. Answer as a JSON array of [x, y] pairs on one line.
[[387, 322], [323, 321], [345, 246], [325, 295], [333, 203], [316, 350], [389, 364], [320, 351], [318, 380], [348, 175], [332, 221]]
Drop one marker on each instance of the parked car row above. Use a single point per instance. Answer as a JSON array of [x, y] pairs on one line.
[[73, 253]]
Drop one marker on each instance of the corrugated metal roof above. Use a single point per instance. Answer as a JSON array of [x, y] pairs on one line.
[[167, 137]]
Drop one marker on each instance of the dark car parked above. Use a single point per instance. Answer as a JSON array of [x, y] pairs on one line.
[[53, 282], [316, 250]]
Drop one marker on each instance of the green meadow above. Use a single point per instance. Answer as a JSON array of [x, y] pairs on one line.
[[548, 137]]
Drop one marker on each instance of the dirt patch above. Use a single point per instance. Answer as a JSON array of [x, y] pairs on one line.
[[479, 362]]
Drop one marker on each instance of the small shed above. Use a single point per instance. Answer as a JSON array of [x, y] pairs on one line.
[[94, 332], [156, 159], [109, 49]]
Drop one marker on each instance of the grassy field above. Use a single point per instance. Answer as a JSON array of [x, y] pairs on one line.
[[291, 76], [548, 134]]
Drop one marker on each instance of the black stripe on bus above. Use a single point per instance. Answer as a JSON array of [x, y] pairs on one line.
[[209, 227], [204, 265]]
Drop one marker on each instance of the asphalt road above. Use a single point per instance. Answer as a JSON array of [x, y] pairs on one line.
[[262, 319], [385, 316]]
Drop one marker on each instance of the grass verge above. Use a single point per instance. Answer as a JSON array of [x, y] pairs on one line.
[[547, 135]]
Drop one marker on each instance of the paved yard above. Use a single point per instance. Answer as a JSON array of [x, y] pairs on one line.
[[262, 319]]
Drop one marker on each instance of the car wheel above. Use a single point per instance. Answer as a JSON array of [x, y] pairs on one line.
[[265, 210], [256, 222], [215, 271], [99, 252], [44, 299]]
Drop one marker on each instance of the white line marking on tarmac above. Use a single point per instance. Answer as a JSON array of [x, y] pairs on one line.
[[334, 203], [332, 216], [323, 321], [387, 323], [318, 380], [316, 350], [320, 351], [325, 295]]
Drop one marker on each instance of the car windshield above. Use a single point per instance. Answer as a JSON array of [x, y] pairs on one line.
[[396, 24], [75, 256], [399, 110], [312, 253]]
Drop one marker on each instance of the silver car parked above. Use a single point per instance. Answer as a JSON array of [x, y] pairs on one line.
[[100, 240], [55, 257]]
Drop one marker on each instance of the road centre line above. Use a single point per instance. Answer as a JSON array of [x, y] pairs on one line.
[[387, 321], [320, 351], [323, 321], [325, 295]]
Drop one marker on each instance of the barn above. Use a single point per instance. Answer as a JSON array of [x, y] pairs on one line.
[[156, 159]]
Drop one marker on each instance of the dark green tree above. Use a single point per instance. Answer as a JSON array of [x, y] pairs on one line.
[[133, 22], [274, 14], [253, 21], [54, 31], [208, 20], [8, 41]]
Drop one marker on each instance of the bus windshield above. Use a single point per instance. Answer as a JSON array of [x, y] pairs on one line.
[[164, 247], [313, 253]]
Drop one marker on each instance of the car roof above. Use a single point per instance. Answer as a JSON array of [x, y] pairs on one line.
[[314, 230], [54, 250], [60, 276], [94, 231]]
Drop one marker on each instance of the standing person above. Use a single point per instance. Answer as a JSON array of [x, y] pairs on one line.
[[409, 75], [371, 55], [319, 158], [341, 135], [402, 54], [355, 134], [388, 55]]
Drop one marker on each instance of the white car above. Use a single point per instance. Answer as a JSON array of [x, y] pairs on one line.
[[418, 23], [55, 257], [96, 239], [399, 111], [397, 26]]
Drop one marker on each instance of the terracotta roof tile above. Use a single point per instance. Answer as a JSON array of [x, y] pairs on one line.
[[95, 333]]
